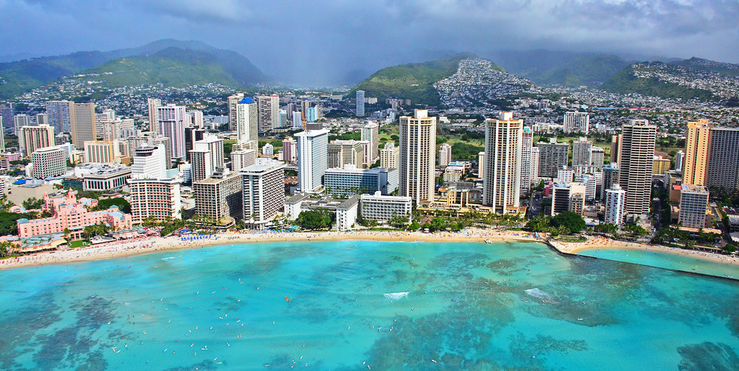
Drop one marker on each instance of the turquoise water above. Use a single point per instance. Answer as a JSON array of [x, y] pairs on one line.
[[666, 260], [516, 306]]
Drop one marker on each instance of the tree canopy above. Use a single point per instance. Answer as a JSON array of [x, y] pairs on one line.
[[316, 219], [572, 221]]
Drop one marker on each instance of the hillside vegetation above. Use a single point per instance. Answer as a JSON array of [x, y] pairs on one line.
[[414, 81]]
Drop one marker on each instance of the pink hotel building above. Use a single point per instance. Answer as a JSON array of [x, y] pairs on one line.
[[69, 213]]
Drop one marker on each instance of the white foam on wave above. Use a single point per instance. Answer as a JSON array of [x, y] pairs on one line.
[[396, 295], [169, 258], [540, 294]]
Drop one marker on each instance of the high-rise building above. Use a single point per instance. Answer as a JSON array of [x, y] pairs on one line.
[[101, 152], [680, 160], [527, 142], [660, 165], [351, 180], [389, 156], [32, 138], [610, 176], [196, 117], [83, 124], [636, 160], [445, 154], [172, 125], [7, 112], [597, 157], [48, 162], [42, 119], [192, 135], [313, 114], [232, 101], [219, 195], [615, 203], [481, 165], [502, 182], [289, 150], [153, 105], [697, 146], [153, 194], [417, 156], [206, 157], [20, 121], [552, 156], [242, 158], [535, 165], [343, 152], [371, 134], [581, 152], [2, 135], [576, 122], [383, 208], [360, 103], [268, 150], [60, 115], [312, 159], [263, 191], [269, 112], [723, 168], [247, 122], [568, 197], [616, 148], [297, 120], [693, 205]]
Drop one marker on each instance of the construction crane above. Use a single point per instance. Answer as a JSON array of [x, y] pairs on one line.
[[305, 125]]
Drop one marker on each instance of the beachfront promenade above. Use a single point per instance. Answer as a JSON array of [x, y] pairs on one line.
[[152, 244]]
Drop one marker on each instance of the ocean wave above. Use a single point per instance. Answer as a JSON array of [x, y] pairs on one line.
[[396, 295], [169, 258]]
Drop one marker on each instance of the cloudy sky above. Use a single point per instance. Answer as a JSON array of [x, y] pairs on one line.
[[327, 39]]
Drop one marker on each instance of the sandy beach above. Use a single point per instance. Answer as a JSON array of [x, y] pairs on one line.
[[598, 243], [154, 244]]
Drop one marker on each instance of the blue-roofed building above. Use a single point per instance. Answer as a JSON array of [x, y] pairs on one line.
[[247, 100]]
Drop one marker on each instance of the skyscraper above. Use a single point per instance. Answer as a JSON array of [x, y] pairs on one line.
[[263, 191], [693, 205], [576, 122], [615, 202], [171, 120], [637, 155], [360, 103], [445, 154], [289, 150], [597, 157], [269, 112], [152, 194], [527, 142], [343, 152], [20, 121], [680, 160], [232, 101], [206, 157], [502, 182], [697, 145], [581, 152], [552, 156], [371, 134], [42, 119], [48, 162], [481, 165], [32, 138], [616, 148], [723, 168], [312, 159], [83, 124], [60, 115], [389, 156], [153, 105], [535, 155], [417, 156], [247, 123]]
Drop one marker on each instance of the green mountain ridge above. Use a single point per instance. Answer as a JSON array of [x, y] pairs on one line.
[[570, 69], [414, 81], [627, 82], [19, 77]]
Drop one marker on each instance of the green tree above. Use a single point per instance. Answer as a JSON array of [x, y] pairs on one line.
[[572, 222], [33, 203], [121, 202], [315, 219]]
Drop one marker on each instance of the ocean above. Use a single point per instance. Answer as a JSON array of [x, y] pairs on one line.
[[357, 305]]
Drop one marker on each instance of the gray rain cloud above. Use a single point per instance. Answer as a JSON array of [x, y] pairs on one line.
[[324, 41]]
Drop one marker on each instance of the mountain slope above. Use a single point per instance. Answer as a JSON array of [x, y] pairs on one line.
[[173, 67], [414, 81], [560, 68], [710, 66], [674, 81], [22, 76]]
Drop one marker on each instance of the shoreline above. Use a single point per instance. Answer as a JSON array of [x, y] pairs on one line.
[[602, 243], [141, 246]]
